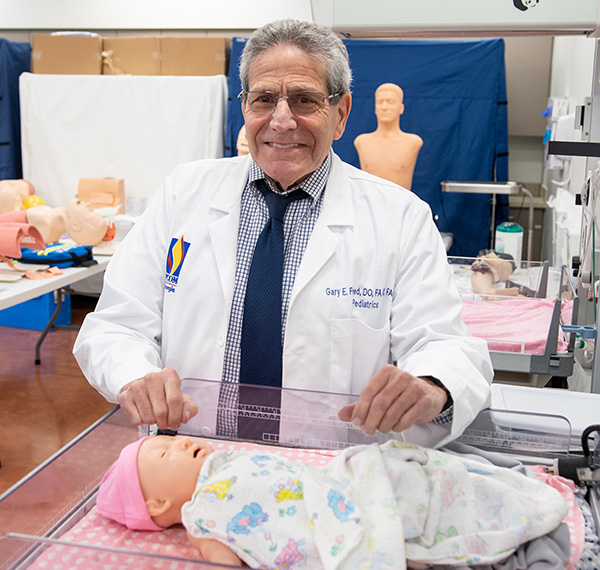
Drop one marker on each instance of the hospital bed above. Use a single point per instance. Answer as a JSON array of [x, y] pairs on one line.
[[531, 336], [48, 520]]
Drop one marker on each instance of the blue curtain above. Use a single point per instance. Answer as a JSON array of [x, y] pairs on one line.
[[455, 99], [235, 120], [15, 58]]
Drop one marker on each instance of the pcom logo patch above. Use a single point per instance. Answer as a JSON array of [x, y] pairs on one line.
[[175, 258]]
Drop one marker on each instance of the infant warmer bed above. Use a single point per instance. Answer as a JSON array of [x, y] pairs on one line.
[[49, 520], [523, 330]]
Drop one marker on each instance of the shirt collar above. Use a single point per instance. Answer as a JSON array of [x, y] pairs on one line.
[[313, 185]]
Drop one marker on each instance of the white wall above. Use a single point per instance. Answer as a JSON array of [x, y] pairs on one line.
[[525, 159], [147, 14], [528, 62]]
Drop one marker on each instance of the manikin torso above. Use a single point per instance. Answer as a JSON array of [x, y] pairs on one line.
[[389, 152]]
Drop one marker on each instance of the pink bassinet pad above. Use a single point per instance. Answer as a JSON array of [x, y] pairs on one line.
[[515, 325]]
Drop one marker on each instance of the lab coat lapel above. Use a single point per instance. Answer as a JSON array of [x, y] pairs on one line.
[[337, 214], [224, 212]]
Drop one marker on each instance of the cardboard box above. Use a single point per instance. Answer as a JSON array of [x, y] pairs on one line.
[[129, 55], [135, 55], [193, 56], [159, 55], [102, 192], [66, 54], [36, 313]]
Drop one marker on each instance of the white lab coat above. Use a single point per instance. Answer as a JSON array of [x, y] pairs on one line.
[[373, 287]]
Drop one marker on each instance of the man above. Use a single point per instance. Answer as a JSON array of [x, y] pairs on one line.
[[365, 279], [389, 152]]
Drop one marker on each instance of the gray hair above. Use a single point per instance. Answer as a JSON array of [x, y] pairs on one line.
[[318, 41]]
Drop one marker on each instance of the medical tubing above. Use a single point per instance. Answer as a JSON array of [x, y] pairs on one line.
[[595, 428], [569, 466]]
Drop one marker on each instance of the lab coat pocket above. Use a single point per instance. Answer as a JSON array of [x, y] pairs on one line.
[[357, 352]]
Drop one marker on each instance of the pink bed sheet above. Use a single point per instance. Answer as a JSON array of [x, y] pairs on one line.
[[515, 325]]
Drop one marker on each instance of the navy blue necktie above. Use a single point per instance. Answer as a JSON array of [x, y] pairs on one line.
[[261, 346]]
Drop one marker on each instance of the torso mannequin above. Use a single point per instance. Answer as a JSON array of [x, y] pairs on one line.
[[78, 219], [49, 221], [389, 152], [12, 195]]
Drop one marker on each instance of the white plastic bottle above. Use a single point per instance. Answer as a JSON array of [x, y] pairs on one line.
[[509, 239]]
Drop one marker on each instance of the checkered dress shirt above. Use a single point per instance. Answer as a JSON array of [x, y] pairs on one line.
[[299, 221]]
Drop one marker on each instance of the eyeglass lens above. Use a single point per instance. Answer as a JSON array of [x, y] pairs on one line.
[[300, 102]]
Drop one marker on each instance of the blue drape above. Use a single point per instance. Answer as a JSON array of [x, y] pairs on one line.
[[15, 58], [455, 99]]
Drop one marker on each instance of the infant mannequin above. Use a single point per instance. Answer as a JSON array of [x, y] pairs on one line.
[[78, 219], [389, 152], [488, 270], [269, 511], [159, 475]]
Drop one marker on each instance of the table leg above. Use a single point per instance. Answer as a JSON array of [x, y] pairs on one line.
[[59, 297]]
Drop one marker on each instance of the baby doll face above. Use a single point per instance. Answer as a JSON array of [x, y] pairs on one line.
[[168, 467]]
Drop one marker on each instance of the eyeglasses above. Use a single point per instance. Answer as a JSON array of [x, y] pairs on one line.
[[301, 103]]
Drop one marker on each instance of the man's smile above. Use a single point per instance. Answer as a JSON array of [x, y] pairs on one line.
[[281, 145]]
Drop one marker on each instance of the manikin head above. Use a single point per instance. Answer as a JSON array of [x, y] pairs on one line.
[[151, 480], [83, 224], [389, 103]]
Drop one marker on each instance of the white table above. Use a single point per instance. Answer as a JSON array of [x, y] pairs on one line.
[[26, 289]]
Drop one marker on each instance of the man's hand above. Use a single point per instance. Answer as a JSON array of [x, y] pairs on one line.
[[394, 400], [157, 399]]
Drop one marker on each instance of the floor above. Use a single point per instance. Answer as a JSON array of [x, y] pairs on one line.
[[42, 407]]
